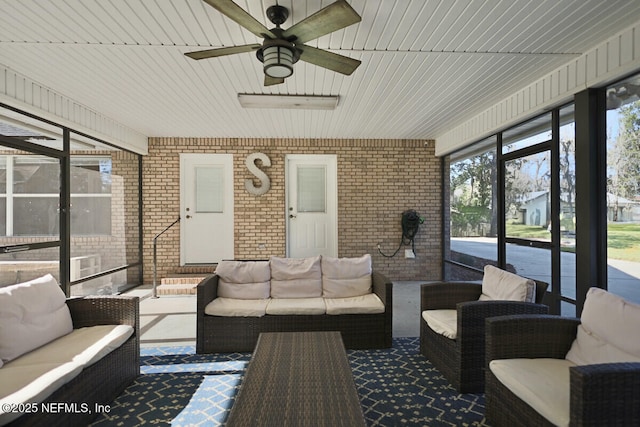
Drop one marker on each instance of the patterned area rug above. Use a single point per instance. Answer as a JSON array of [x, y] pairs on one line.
[[397, 387]]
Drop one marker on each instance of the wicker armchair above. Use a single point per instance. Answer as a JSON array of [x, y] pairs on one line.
[[461, 360], [601, 395]]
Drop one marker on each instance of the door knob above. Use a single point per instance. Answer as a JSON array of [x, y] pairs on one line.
[[292, 216], [188, 216]]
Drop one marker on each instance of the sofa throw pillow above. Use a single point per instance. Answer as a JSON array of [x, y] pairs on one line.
[[296, 277], [346, 277], [608, 330], [501, 285], [244, 279], [32, 314]]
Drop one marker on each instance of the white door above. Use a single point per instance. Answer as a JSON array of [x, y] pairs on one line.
[[206, 208], [312, 205]]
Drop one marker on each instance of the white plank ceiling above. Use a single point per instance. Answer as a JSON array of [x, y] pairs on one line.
[[426, 66]]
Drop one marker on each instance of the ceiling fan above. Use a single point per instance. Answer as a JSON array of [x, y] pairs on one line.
[[283, 48]]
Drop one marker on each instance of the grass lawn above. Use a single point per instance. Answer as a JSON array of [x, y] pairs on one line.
[[623, 241], [623, 238], [528, 232]]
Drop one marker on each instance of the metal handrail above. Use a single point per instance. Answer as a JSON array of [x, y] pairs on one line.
[[154, 293]]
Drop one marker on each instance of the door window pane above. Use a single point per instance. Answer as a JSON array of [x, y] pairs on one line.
[[209, 189], [311, 189], [527, 197]]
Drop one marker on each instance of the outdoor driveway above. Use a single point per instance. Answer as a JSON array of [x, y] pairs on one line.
[[624, 276]]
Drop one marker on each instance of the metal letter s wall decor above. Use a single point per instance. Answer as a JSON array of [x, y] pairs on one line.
[[265, 182]]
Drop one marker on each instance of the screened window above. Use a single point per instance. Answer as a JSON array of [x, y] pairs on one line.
[[623, 188], [472, 200]]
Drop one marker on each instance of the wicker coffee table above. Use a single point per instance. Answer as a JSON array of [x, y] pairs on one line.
[[298, 379]]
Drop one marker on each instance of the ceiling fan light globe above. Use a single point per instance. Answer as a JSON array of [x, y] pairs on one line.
[[278, 61]]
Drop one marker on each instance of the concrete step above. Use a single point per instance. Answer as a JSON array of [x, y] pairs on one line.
[[179, 285], [177, 289]]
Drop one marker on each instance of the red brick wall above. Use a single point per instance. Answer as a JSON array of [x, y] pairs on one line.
[[377, 181]]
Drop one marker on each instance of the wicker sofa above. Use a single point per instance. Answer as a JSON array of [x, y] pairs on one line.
[[545, 370], [239, 332], [84, 370]]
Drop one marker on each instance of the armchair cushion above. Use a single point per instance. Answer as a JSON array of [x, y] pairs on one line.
[[444, 322], [244, 279], [608, 330], [498, 284], [296, 277], [542, 383]]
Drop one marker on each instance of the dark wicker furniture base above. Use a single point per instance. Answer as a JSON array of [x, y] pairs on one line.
[[462, 360], [298, 379], [103, 381], [601, 395], [218, 334]]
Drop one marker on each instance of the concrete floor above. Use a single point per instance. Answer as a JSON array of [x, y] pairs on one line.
[[171, 320]]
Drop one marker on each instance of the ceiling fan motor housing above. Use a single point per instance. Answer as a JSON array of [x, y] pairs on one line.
[[277, 14]]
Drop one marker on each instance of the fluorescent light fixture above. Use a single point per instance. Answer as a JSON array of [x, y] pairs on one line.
[[303, 102]]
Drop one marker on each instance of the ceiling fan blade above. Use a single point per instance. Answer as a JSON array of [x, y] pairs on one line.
[[329, 60], [327, 20], [222, 51], [271, 81], [241, 17]]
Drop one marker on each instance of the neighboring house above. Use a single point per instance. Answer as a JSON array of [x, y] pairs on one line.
[[621, 209], [534, 208]]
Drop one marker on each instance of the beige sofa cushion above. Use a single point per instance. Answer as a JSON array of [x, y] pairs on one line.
[[244, 279], [296, 277], [542, 383], [31, 314], [34, 376], [346, 277], [363, 304], [443, 322], [233, 307], [498, 284], [285, 306], [608, 332]]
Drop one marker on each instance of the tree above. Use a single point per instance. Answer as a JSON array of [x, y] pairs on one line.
[[624, 156], [568, 176], [472, 184]]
